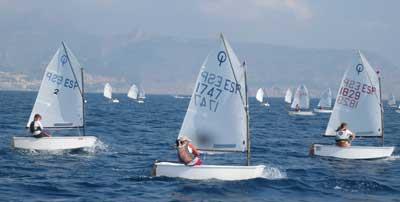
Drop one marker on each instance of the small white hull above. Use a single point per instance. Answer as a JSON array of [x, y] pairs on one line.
[[301, 113], [115, 101], [140, 101], [323, 111], [397, 110], [352, 152], [53, 143], [204, 172]]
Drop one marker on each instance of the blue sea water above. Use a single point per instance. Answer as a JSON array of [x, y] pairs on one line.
[[133, 136]]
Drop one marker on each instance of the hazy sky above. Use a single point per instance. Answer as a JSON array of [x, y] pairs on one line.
[[365, 24]]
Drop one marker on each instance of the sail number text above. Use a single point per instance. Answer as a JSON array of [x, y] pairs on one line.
[[60, 80], [209, 89], [351, 91]]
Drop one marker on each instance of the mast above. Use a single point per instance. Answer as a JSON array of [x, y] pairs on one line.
[[244, 101], [79, 87], [83, 102], [381, 106], [247, 116]]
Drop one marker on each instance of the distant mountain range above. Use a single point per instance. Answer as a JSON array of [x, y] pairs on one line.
[[170, 65]]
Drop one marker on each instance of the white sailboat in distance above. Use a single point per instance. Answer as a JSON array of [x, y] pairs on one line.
[[60, 101], [260, 97], [301, 102], [359, 104], [135, 94], [108, 93], [288, 96], [217, 119], [325, 102], [142, 95], [392, 101]]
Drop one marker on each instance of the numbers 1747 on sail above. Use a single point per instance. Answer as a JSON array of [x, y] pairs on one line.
[[209, 89]]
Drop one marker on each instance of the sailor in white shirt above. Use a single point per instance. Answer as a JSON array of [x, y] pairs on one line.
[[344, 136], [36, 127]]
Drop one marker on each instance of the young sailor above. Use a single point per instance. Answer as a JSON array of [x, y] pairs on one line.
[[187, 152], [36, 127], [297, 108], [344, 136]]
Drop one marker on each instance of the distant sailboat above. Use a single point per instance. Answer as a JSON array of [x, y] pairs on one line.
[[392, 101], [398, 109], [288, 96], [359, 104], [301, 102], [135, 94], [217, 119], [260, 97], [108, 93], [181, 97], [60, 101], [325, 102], [142, 95]]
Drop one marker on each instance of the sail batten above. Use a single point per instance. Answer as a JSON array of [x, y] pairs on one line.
[[60, 97], [216, 116], [358, 101]]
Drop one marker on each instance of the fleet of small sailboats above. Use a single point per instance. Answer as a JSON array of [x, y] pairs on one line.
[[301, 102], [217, 119], [359, 104], [108, 93], [260, 97], [325, 102], [60, 101]]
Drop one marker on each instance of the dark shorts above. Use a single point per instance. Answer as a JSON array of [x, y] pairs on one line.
[[40, 135]]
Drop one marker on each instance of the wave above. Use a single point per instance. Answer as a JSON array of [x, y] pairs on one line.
[[273, 173]]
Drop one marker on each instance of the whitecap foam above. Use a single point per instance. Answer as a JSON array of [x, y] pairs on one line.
[[273, 173], [99, 146], [392, 158]]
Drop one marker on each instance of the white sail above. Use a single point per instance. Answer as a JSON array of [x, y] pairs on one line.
[[142, 94], [107, 91], [301, 98], [260, 95], [288, 96], [60, 97], [392, 100], [358, 101], [326, 99], [133, 92], [216, 119]]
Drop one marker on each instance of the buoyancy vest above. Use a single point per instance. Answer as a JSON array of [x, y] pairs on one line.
[[343, 136], [184, 155], [32, 127]]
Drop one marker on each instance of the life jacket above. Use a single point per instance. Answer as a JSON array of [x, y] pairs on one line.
[[343, 136], [32, 127], [184, 154]]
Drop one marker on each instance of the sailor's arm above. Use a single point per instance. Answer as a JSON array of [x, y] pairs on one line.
[[194, 150]]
